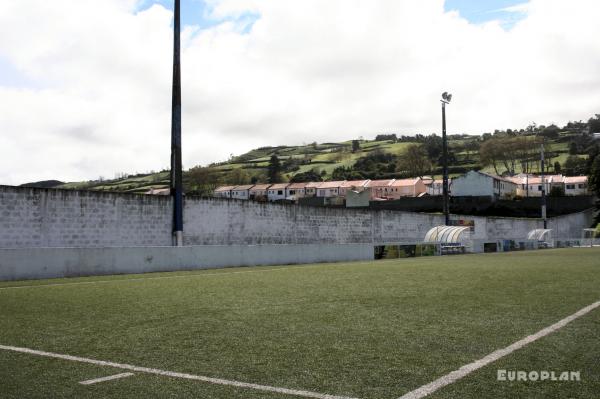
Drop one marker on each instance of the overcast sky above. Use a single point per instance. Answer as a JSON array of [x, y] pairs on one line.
[[85, 86]]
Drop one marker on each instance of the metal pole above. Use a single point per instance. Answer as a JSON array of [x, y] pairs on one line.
[[176, 172], [445, 166], [543, 190]]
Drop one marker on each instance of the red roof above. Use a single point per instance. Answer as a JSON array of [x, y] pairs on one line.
[[405, 182], [261, 187], [313, 184], [354, 183], [331, 184], [242, 188], [278, 186], [380, 183], [224, 188], [297, 185], [576, 179]]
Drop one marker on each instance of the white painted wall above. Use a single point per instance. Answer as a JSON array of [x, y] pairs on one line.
[[38, 263]]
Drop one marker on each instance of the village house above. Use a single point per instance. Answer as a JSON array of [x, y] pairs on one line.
[[355, 185], [223, 191], [380, 188], [477, 183], [259, 192], [310, 190], [295, 191], [436, 187], [576, 185], [241, 192], [277, 192], [531, 185], [407, 188], [329, 189]]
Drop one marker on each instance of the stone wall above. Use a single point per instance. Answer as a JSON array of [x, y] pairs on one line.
[[34, 218]]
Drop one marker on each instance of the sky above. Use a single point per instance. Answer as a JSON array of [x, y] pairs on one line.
[[85, 86]]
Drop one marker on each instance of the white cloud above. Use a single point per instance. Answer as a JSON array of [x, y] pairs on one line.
[[307, 70]]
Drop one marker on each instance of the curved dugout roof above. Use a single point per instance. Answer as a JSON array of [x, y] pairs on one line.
[[539, 234], [446, 234]]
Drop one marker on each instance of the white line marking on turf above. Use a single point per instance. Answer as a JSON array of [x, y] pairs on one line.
[[467, 369], [219, 381], [109, 378]]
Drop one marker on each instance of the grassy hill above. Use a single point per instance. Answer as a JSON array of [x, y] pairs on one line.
[[376, 158]]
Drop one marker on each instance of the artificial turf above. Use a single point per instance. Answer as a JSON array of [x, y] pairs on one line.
[[366, 329]]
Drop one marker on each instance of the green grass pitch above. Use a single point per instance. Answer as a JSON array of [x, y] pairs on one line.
[[365, 330]]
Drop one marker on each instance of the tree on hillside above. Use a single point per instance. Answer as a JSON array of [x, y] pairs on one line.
[[510, 152], [434, 147], [355, 145], [575, 166], [594, 176], [490, 154], [557, 167], [594, 124], [311, 175], [274, 170], [414, 162], [573, 148], [385, 137], [238, 177], [201, 180]]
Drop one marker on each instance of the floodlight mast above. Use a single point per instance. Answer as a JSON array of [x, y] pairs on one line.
[[446, 98], [176, 164]]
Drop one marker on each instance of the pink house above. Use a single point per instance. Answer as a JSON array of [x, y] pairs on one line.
[[356, 185], [329, 189], [380, 188], [407, 188]]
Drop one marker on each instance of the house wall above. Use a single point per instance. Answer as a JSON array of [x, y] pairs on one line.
[[240, 194], [34, 218], [472, 184]]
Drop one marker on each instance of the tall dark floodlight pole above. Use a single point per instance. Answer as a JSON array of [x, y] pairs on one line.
[[543, 188], [176, 183], [445, 100]]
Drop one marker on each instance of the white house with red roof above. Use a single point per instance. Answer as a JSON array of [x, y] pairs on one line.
[[277, 192], [310, 190], [241, 192], [258, 192], [223, 191], [576, 185], [295, 191], [329, 189]]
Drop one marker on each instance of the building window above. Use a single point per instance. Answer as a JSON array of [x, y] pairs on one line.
[[582, 186], [279, 192]]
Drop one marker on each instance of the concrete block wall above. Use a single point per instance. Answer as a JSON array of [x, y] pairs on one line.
[[35, 218]]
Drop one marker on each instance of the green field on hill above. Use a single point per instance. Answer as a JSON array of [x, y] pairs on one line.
[[368, 330]]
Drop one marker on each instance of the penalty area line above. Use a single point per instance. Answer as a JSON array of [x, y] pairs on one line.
[[173, 374], [467, 369]]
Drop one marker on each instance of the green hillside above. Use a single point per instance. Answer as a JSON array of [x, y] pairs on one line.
[[386, 156]]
